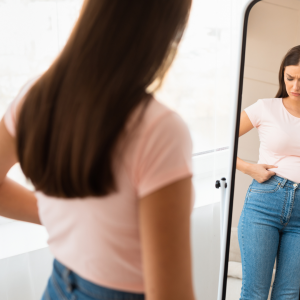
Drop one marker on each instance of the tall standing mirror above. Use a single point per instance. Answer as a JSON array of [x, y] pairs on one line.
[[263, 238]]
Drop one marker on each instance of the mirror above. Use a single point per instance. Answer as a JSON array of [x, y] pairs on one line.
[[262, 228]]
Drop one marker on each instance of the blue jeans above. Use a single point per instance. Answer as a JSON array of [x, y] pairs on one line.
[[66, 285], [269, 228]]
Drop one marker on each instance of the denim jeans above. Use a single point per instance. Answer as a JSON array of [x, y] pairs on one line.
[[66, 285], [269, 228]]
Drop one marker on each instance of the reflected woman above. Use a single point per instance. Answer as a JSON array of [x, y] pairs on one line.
[[269, 226]]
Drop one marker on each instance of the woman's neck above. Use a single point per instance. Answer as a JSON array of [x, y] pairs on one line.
[[292, 105]]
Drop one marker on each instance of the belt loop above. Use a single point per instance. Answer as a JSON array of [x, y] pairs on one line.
[[283, 182], [67, 280]]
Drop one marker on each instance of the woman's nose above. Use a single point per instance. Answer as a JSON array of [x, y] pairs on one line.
[[296, 85]]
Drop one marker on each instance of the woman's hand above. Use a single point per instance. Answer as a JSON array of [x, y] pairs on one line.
[[260, 172]]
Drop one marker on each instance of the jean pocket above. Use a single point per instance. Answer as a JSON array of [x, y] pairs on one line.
[[269, 186]]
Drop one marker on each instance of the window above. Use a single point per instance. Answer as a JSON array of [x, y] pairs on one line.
[[199, 88]]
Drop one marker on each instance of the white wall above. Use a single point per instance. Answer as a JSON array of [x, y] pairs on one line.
[[274, 28]]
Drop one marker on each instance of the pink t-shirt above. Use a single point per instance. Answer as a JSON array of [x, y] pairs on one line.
[[98, 237], [279, 135]]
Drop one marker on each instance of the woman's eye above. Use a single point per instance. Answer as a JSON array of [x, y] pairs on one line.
[[289, 79]]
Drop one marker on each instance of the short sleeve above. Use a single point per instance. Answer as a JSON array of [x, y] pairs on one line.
[[255, 112], [166, 155], [11, 112]]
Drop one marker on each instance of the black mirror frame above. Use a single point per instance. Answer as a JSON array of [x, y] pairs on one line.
[[236, 138]]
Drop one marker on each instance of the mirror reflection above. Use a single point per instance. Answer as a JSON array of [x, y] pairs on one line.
[[264, 256]]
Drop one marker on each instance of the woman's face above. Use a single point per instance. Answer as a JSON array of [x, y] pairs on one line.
[[292, 81]]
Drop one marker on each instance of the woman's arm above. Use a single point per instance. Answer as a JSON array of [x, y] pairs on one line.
[[257, 171], [165, 236], [16, 202], [245, 124]]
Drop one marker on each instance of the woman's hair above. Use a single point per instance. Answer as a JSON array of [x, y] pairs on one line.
[[292, 58], [73, 115]]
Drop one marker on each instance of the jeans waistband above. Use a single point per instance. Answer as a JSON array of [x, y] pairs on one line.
[[60, 268], [286, 182], [72, 280]]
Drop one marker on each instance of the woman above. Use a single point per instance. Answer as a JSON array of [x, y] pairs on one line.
[[111, 166], [269, 226]]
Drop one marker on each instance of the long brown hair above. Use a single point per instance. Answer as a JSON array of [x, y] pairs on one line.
[[292, 58], [74, 114]]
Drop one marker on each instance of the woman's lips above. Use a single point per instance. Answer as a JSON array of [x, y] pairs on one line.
[[295, 94]]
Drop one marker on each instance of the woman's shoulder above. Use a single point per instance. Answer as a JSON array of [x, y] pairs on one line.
[[10, 117], [159, 126], [159, 115], [264, 103], [270, 101], [258, 111], [156, 110]]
